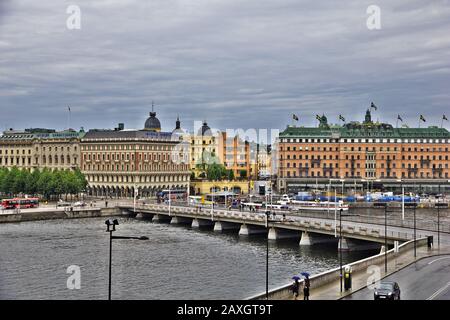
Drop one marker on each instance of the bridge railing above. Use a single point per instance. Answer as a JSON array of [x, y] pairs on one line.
[[284, 292]]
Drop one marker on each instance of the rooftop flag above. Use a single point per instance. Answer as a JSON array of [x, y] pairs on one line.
[[341, 118], [399, 118], [318, 117], [294, 116], [422, 118], [372, 105], [444, 117]]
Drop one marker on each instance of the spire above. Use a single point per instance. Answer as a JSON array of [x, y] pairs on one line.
[[178, 123]]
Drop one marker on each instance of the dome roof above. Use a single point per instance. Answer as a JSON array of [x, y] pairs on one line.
[[152, 123], [204, 130], [178, 129]]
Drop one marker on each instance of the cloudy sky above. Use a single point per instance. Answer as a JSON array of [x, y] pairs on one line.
[[236, 63]]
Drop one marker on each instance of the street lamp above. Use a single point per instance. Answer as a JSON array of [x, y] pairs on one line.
[[268, 213], [439, 205], [384, 205], [340, 243], [111, 227], [413, 205]]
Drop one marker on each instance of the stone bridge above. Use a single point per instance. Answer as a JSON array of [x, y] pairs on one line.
[[310, 230]]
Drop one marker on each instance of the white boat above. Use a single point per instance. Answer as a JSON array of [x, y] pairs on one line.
[[318, 206]]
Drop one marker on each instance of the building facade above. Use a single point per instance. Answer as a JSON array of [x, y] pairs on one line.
[[118, 163], [40, 148], [363, 153], [235, 155]]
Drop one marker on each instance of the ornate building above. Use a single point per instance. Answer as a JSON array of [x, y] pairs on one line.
[[362, 153], [118, 162], [40, 148]]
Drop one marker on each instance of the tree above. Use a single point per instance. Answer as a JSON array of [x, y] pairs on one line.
[[243, 174]]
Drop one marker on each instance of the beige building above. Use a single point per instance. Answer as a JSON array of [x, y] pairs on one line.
[[40, 148], [118, 162]]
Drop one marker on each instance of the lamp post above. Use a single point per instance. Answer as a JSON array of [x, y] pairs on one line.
[[267, 255], [340, 247], [384, 205], [340, 244], [438, 206], [268, 213], [413, 205], [111, 227]]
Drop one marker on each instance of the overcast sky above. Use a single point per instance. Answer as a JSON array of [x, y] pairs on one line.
[[236, 63]]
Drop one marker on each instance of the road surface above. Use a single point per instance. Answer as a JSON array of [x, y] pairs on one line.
[[427, 279]]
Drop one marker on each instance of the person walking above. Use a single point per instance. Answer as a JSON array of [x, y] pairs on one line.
[[295, 287], [306, 289]]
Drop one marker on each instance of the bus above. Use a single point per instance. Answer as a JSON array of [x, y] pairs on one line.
[[174, 194], [22, 203]]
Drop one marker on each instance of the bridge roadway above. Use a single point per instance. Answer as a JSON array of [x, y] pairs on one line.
[[293, 223], [425, 279]]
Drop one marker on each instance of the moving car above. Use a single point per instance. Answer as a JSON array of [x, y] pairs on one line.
[[388, 290]]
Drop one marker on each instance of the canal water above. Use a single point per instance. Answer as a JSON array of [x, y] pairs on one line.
[[177, 262]]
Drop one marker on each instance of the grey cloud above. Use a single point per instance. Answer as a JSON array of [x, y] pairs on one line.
[[238, 64]]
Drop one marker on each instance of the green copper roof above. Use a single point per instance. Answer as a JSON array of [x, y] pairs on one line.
[[43, 135], [366, 132]]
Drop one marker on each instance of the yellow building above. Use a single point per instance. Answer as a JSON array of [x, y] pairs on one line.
[[204, 149], [202, 187]]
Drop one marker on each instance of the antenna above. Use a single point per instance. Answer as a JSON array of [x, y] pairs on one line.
[[152, 106]]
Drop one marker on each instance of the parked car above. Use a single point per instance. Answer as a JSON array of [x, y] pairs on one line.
[[388, 290], [79, 204], [63, 204]]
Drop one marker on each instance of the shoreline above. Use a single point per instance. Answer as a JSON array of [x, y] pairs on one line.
[[59, 214]]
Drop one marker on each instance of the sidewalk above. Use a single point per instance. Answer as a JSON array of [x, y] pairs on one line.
[[331, 291]]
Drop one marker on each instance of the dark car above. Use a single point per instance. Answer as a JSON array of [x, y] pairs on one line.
[[387, 290]]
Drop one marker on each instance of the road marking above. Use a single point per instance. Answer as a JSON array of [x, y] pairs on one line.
[[438, 260], [437, 293]]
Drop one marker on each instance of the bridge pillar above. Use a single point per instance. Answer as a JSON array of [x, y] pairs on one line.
[[247, 230], [343, 246], [277, 233], [306, 239], [220, 226], [180, 220], [197, 223]]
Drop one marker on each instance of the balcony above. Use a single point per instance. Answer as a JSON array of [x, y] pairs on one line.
[[413, 170], [437, 170], [315, 161]]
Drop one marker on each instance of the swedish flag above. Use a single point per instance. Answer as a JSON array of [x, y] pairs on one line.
[[318, 117], [422, 118], [295, 117], [444, 117], [341, 118], [372, 105], [399, 118]]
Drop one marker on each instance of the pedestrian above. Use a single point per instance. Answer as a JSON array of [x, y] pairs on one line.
[[306, 289], [295, 287]]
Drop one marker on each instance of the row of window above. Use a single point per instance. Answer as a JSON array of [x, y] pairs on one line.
[[127, 167], [28, 151], [373, 149], [126, 147], [368, 174], [138, 179], [293, 140], [367, 157], [22, 161]]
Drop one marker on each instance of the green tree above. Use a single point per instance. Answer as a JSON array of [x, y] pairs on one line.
[[243, 174]]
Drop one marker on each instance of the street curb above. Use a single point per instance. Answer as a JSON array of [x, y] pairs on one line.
[[391, 273]]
